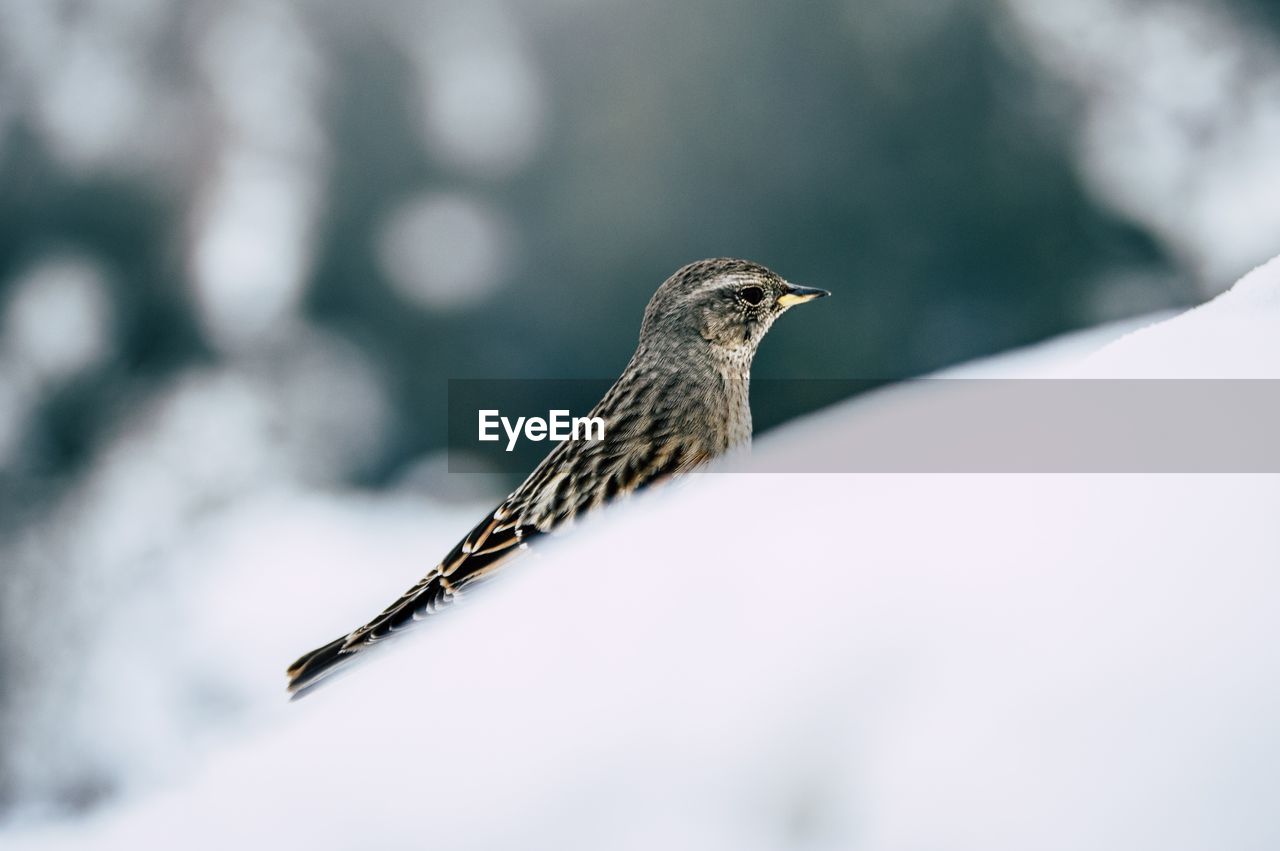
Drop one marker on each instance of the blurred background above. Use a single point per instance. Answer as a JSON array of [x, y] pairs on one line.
[[244, 245]]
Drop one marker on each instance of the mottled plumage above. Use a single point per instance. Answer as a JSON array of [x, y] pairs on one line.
[[680, 401]]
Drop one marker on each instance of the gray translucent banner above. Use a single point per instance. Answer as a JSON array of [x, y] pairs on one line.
[[935, 425]]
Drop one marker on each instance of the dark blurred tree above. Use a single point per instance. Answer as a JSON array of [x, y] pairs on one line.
[[922, 176], [912, 162]]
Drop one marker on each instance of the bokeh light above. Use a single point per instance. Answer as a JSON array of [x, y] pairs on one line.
[[445, 251]]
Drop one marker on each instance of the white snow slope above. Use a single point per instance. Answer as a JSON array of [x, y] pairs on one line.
[[825, 661]]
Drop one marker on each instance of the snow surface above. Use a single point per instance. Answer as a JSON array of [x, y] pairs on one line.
[[784, 661]]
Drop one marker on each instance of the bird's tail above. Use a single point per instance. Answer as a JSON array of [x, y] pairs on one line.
[[486, 548], [306, 673]]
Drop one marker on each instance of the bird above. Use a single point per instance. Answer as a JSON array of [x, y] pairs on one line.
[[681, 401]]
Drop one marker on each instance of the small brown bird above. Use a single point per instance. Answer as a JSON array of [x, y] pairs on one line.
[[681, 401]]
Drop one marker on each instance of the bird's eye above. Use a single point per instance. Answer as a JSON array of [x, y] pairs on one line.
[[751, 295]]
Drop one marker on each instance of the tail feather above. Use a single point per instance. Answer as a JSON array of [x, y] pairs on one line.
[[490, 544], [320, 663]]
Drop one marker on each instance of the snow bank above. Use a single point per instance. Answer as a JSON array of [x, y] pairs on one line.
[[826, 661]]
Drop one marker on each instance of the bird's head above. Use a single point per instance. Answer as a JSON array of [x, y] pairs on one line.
[[726, 303]]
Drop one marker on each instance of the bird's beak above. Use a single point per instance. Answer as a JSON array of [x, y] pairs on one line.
[[799, 295]]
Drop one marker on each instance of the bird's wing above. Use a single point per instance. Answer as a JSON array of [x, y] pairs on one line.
[[492, 543]]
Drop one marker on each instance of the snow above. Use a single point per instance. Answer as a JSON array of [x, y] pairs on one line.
[[1232, 336], [768, 660]]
